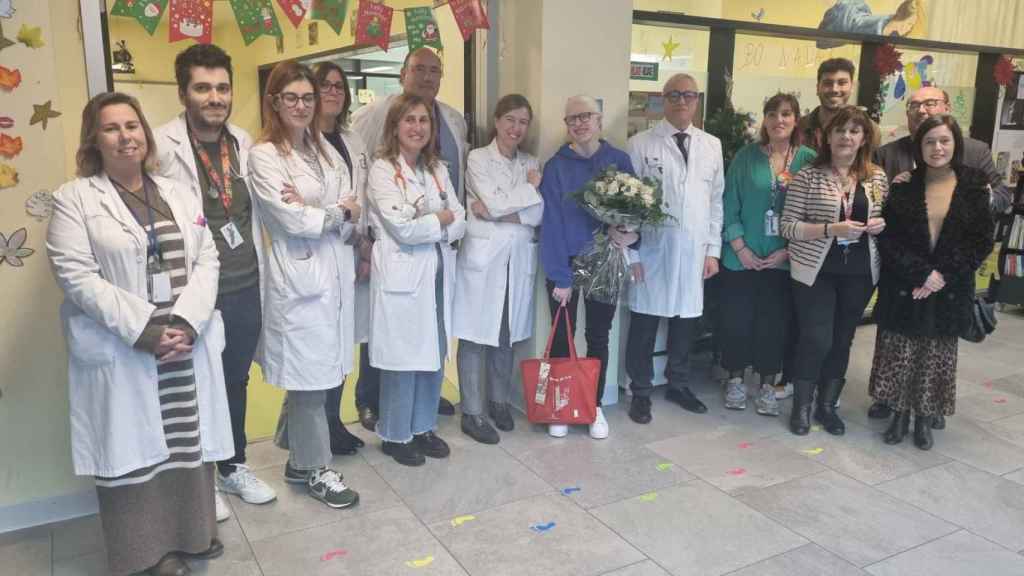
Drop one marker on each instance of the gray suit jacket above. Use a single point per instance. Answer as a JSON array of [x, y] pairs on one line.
[[898, 157]]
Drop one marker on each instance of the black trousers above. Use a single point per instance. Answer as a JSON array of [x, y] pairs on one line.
[[599, 324], [643, 330], [755, 316], [243, 320], [828, 314], [368, 384]]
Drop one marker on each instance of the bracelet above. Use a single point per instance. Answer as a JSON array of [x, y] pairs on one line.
[[744, 248], [826, 229]]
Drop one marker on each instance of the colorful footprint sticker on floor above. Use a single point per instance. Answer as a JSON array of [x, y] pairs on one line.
[[736, 472], [460, 520], [649, 497], [570, 490], [815, 428], [744, 445], [420, 562], [813, 451], [663, 466], [542, 528], [1000, 400], [333, 554]]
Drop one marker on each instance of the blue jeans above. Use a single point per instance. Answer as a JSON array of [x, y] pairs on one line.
[[408, 404]]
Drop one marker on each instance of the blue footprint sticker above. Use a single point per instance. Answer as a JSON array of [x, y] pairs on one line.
[[567, 491], [542, 528]]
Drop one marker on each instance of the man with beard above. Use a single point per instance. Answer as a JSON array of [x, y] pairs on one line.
[[835, 85], [208, 158]]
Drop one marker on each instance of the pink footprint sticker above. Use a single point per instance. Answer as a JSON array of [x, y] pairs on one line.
[[744, 445], [1000, 400], [339, 553], [736, 472]]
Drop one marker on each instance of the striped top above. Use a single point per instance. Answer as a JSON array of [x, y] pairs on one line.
[[175, 379], [814, 199]]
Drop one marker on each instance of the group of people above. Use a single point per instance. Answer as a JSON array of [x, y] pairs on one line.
[[188, 252]]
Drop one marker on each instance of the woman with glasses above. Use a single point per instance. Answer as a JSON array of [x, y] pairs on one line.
[[939, 232], [567, 229], [415, 218], [308, 273], [755, 308], [833, 214]]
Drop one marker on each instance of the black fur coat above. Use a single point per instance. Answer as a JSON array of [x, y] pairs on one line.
[[907, 259]]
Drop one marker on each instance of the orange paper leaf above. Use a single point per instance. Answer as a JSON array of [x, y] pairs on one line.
[[9, 79], [9, 147]]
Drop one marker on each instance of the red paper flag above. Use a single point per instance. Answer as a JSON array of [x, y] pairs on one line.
[[469, 15], [373, 24], [294, 10], [191, 19]]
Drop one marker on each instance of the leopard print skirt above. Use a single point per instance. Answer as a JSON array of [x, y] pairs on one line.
[[914, 373]]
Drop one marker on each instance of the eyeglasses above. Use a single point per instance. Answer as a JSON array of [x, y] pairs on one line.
[[930, 104], [421, 70], [676, 95], [581, 118], [291, 99], [326, 86]]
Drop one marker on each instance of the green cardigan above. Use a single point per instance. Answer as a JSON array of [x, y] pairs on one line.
[[748, 185]]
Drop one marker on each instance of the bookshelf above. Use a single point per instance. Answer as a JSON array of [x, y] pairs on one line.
[[1010, 230]]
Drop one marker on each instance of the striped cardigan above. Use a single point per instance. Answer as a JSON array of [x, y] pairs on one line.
[[812, 200]]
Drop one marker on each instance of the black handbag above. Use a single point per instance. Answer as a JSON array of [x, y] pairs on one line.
[[983, 320]]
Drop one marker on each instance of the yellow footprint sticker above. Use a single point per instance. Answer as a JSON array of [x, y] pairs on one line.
[[420, 563], [460, 520], [649, 497], [813, 451], [664, 466]]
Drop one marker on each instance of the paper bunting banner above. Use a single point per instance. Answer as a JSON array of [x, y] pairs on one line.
[[421, 28], [255, 18], [332, 12], [294, 10], [146, 12], [469, 15], [191, 19], [373, 24]]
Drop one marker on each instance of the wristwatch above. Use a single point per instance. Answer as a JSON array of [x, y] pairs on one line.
[[347, 214]]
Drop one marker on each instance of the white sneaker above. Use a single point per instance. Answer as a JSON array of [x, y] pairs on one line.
[[223, 512], [599, 429], [246, 485], [558, 430], [783, 392]]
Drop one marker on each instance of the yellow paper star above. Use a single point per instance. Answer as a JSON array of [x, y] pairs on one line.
[[43, 113], [669, 47], [31, 36]]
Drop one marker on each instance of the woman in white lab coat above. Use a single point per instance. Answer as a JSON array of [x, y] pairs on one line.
[[497, 263], [149, 414], [308, 272], [415, 218]]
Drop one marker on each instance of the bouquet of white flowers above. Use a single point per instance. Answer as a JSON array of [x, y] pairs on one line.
[[626, 202]]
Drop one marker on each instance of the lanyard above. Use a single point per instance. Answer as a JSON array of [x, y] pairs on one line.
[[845, 201], [780, 180], [152, 250], [223, 185]]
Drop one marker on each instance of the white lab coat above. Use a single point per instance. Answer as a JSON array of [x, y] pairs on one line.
[[673, 254], [368, 122], [98, 254], [403, 306], [494, 254], [308, 276]]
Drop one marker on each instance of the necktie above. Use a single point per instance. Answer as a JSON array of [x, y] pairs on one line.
[[681, 138]]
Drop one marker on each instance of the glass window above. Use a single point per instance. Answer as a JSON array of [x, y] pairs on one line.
[[671, 50], [764, 65]]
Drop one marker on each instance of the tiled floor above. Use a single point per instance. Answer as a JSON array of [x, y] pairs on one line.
[[721, 493]]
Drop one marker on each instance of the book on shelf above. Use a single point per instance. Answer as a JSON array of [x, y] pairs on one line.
[[1013, 267]]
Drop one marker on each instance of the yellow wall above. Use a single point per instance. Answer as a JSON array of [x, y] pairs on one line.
[[35, 460]]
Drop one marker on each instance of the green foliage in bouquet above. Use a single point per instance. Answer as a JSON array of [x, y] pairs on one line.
[[732, 128], [619, 198]]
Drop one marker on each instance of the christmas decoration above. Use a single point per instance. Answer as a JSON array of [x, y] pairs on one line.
[[1002, 72], [469, 15], [294, 10], [668, 48], [191, 19], [332, 12], [255, 18], [887, 60], [421, 28], [146, 12], [373, 24]]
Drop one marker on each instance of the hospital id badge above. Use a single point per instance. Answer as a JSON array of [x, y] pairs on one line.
[[160, 287], [844, 242], [771, 223], [231, 235]]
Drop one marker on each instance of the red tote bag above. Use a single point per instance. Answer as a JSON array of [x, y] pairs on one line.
[[560, 390]]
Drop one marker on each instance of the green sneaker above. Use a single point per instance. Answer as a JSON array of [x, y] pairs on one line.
[[326, 486]]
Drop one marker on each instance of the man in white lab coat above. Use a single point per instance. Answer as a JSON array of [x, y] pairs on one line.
[[421, 75], [676, 257], [208, 157]]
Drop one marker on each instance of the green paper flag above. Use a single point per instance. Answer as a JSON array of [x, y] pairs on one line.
[[255, 18], [332, 12], [421, 28], [146, 12]]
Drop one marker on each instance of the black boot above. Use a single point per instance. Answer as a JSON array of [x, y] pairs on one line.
[[923, 432], [343, 442], [897, 428], [800, 417], [828, 394], [939, 422]]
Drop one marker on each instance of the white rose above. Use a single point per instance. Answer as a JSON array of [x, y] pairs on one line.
[[631, 191], [613, 188], [601, 187]]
